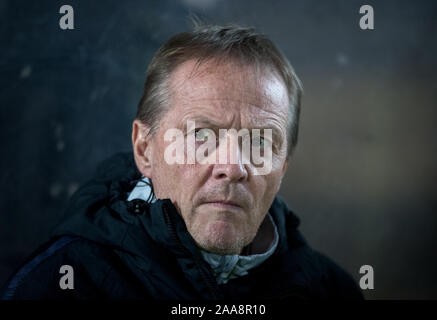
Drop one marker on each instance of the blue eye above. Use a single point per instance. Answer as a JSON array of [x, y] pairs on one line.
[[201, 135], [260, 142]]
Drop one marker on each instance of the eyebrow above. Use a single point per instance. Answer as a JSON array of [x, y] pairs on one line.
[[202, 120], [209, 123]]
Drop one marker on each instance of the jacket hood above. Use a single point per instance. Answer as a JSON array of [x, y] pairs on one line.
[[99, 211]]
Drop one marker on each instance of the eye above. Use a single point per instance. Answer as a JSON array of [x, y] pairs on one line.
[[258, 142], [201, 135]]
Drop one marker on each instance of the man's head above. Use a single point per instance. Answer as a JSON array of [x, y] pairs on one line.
[[221, 78]]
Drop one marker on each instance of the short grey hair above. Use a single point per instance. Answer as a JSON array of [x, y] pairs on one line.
[[212, 42]]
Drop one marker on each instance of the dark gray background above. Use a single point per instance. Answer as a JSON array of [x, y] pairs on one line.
[[363, 179]]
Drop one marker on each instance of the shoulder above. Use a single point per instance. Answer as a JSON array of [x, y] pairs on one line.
[[307, 266], [39, 277], [332, 281]]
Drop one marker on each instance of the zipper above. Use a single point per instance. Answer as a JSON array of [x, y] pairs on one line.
[[210, 281]]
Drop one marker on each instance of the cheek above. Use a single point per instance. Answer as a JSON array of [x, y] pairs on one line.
[[165, 177], [167, 180], [267, 188], [176, 182]]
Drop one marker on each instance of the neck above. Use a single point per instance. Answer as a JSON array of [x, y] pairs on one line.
[[263, 239]]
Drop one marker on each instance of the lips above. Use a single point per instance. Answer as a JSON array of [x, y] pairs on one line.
[[225, 197], [225, 204]]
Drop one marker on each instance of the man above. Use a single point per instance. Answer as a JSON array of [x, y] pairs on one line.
[[172, 223]]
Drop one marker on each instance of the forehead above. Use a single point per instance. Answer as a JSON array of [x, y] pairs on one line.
[[228, 90]]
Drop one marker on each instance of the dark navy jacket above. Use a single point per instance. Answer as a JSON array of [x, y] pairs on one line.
[[136, 250]]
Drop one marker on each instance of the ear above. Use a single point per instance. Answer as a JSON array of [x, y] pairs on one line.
[[142, 148], [284, 169], [285, 166]]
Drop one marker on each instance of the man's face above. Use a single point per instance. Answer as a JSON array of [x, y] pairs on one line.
[[222, 204]]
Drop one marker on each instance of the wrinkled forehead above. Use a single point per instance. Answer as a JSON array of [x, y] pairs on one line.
[[230, 82]]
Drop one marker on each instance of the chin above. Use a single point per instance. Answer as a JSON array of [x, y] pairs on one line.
[[220, 248], [221, 237]]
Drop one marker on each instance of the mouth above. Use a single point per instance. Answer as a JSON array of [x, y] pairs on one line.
[[223, 204]]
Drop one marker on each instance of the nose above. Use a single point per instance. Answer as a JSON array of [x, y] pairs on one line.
[[235, 171], [231, 165], [232, 172]]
